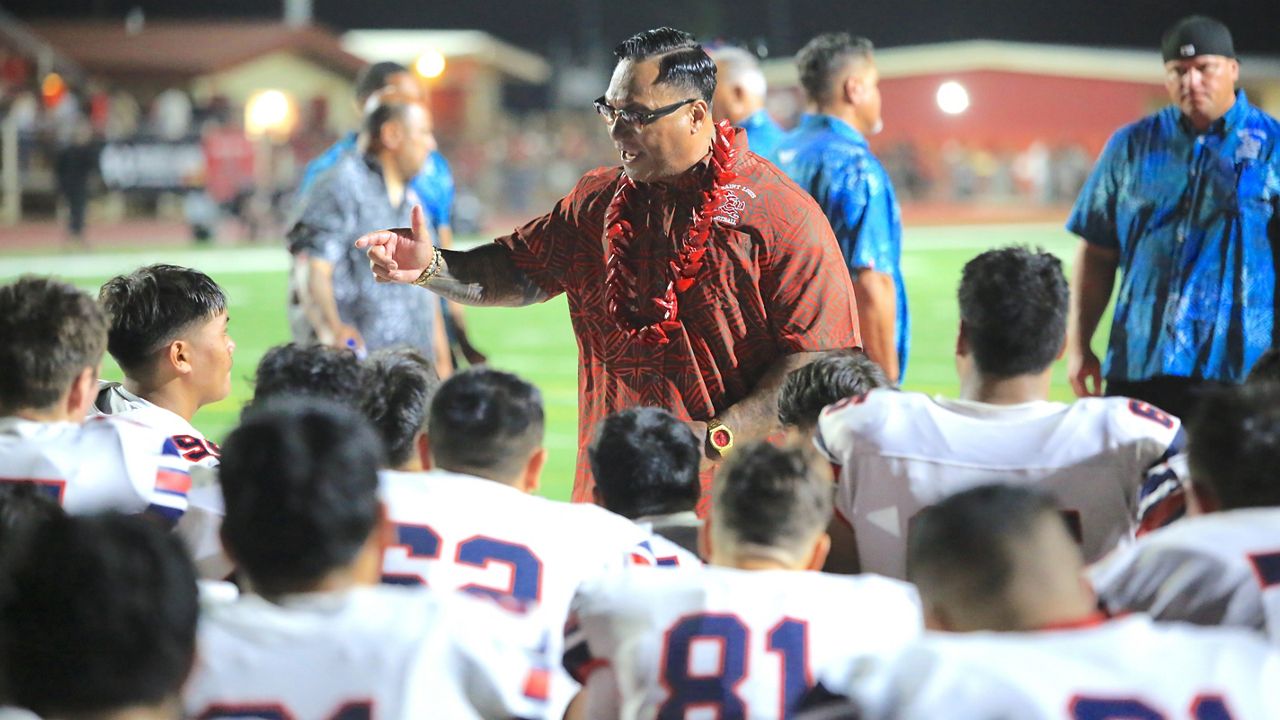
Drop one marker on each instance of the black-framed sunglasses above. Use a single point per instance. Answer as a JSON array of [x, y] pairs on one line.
[[637, 118]]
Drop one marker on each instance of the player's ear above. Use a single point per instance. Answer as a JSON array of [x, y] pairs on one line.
[[424, 450], [704, 539], [935, 617], [851, 89], [179, 353], [1062, 351], [595, 496], [533, 470], [821, 548], [962, 340], [84, 390]]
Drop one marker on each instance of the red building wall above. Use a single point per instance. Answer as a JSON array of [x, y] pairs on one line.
[[1008, 111]]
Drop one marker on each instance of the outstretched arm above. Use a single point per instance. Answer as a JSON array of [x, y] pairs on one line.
[[482, 276]]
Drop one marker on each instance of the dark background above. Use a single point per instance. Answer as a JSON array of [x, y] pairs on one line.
[[579, 26]]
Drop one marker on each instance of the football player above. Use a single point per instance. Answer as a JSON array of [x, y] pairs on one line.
[[168, 332], [999, 574], [98, 620], [825, 381], [900, 452], [318, 637], [645, 464], [471, 521], [1221, 567], [745, 636], [52, 338]]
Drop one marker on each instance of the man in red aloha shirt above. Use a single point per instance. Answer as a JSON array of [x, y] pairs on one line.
[[697, 275]]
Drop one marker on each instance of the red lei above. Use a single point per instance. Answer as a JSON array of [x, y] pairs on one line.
[[621, 294]]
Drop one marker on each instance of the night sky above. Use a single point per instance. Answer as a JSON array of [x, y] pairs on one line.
[[574, 25]]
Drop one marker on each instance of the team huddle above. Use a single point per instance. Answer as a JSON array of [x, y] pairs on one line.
[[366, 543], [765, 525]]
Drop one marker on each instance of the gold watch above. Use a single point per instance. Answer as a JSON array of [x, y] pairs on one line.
[[719, 437]]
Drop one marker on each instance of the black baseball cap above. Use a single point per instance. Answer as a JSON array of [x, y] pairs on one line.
[[1197, 35]]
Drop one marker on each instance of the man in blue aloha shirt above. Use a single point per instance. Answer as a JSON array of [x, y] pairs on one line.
[[827, 155], [739, 98], [1184, 202]]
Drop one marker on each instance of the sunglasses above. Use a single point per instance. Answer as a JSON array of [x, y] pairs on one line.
[[636, 118]]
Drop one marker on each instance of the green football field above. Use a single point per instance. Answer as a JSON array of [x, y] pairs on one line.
[[537, 342]]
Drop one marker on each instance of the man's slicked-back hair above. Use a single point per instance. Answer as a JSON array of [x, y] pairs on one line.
[[300, 481], [49, 333], [824, 60], [100, 616], [291, 370], [396, 397], [1013, 305], [829, 379], [1233, 445], [961, 548], [683, 63], [645, 462], [485, 422], [374, 77], [772, 497], [151, 307]]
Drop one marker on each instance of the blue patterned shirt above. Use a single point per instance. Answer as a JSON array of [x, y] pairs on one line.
[[433, 185], [1194, 218], [831, 160], [763, 135]]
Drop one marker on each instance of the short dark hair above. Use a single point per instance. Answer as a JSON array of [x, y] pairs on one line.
[[683, 64], [485, 422], [824, 58], [961, 546], [374, 77], [829, 379], [24, 506], [292, 369], [151, 306], [1266, 369], [771, 496], [49, 333], [389, 109], [1233, 445], [300, 480], [1013, 305], [102, 617], [396, 397], [645, 462]]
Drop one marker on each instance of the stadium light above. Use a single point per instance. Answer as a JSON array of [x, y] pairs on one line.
[[430, 64], [269, 112], [952, 98]]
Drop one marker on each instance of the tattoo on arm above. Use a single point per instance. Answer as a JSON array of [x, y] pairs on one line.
[[484, 276]]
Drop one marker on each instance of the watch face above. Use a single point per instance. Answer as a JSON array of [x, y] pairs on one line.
[[721, 438]]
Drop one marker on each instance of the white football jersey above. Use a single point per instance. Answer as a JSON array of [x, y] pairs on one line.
[[104, 464], [1127, 669], [113, 399], [459, 532], [1209, 569], [900, 452], [729, 643], [374, 652]]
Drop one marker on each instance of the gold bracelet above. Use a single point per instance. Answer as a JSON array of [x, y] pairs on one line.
[[433, 269]]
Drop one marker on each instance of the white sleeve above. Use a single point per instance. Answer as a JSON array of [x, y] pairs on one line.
[[158, 473], [503, 672], [1168, 583]]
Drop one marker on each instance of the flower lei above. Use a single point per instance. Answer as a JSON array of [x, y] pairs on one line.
[[622, 299]]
